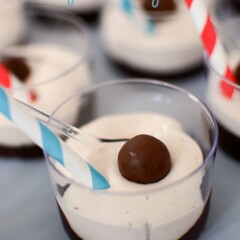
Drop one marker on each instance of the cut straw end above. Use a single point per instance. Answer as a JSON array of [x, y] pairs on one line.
[[50, 143]]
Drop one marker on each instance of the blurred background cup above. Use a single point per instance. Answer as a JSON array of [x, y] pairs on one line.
[[227, 107], [153, 41], [111, 214], [52, 60]]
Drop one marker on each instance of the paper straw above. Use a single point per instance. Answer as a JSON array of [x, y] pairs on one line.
[[138, 16], [155, 3], [212, 44], [17, 89], [70, 2], [50, 143]]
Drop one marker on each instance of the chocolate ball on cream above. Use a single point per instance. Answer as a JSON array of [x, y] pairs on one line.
[[18, 67], [144, 159], [161, 6]]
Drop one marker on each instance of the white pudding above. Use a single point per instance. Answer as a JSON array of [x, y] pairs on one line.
[[47, 61], [173, 46], [128, 210], [227, 111], [12, 22]]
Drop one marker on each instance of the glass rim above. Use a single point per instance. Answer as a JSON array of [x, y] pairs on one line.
[[206, 160], [220, 26], [216, 72], [79, 25]]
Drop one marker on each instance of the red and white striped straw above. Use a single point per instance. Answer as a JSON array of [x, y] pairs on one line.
[[212, 44], [10, 82]]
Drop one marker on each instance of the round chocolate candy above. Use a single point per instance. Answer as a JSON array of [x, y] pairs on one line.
[[144, 159], [18, 67], [159, 5]]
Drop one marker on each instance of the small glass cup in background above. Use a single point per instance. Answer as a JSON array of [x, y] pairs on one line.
[[160, 42], [225, 107], [56, 49], [98, 215], [12, 22]]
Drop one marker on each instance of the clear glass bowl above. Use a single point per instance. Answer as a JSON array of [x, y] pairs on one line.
[[171, 210], [56, 49], [226, 107], [161, 42]]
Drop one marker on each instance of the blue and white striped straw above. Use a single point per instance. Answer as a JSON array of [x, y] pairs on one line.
[[70, 2], [138, 16], [50, 143]]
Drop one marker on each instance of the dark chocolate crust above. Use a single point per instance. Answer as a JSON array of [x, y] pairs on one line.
[[126, 70], [192, 234], [23, 152], [236, 4], [199, 226], [91, 18], [229, 142]]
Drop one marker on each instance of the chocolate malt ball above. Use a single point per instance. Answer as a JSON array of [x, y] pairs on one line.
[[159, 6], [144, 159]]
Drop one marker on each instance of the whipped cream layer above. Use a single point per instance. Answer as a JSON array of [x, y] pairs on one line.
[[47, 61], [78, 5], [13, 24], [226, 111], [173, 47], [128, 210]]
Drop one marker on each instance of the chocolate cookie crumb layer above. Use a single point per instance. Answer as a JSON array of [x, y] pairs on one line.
[[229, 142], [24, 152], [192, 234]]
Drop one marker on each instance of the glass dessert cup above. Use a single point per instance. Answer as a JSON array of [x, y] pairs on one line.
[[55, 54], [225, 105], [176, 210], [150, 47]]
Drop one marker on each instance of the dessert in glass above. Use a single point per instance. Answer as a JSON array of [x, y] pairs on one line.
[[155, 143], [12, 22], [160, 40], [51, 63], [223, 94]]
